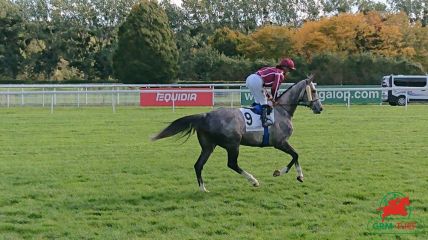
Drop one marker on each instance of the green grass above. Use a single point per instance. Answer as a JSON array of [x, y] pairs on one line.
[[92, 174]]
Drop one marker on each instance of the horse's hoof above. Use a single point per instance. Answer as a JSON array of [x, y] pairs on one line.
[[203, 189], [276, 173], [300, 178], [256, 184]]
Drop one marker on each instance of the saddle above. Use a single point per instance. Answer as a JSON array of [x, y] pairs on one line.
[[257, 109]]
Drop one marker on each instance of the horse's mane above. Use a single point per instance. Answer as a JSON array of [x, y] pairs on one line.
[[288, 89]]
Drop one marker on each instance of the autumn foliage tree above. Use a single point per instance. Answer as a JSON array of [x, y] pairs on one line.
[[390, 35], [269, 42], [343, 49]]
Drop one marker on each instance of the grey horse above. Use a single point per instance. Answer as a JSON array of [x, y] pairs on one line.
[[225, 127]]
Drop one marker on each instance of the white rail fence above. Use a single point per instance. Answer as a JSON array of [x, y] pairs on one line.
[[79, 95]]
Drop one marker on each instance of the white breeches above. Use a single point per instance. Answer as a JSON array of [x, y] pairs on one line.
[[255, 83]]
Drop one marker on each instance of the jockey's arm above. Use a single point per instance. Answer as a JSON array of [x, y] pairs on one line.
[[271, 101], [276, 84]]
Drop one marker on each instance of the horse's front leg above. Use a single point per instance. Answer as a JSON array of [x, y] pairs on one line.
[[287, 148]]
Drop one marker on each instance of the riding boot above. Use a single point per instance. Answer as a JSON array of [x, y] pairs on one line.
[[266, 122]]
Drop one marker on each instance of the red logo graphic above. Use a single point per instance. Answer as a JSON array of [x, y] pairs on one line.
[[395, 216], [176, 97], [395, 206]]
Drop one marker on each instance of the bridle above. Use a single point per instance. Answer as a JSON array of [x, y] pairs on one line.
[[308, 91], [308, 103]]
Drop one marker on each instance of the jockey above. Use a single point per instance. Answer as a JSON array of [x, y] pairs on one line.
[[268, 77]]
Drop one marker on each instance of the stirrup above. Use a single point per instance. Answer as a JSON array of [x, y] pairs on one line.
[[267, 123]]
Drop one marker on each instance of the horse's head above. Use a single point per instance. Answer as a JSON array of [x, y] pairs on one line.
[[310, 97], [302, 93]]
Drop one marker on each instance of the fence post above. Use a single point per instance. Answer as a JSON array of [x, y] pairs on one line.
[[112, 101], [22, 96], [78, 97], [8, 99], [213, 91], [52, 102], [118, 96], [231, 103], [43, 97], [349, 99], [173, 102]]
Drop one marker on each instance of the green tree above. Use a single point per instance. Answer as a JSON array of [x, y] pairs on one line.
[[366, 6], [417, 10], [175, 15], [77, 12], [146, 50], [11, 37], [67, 37], [338, 6]]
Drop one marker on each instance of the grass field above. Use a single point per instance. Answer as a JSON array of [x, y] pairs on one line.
[[91, 174]]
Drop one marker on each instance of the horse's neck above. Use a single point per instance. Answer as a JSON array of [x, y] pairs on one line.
[[290, 99]]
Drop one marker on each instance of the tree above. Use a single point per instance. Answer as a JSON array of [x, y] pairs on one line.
[[269, 42], [175, 15], [226, 41], [366, 6], [146, 50], [338, 6], [416, 9], [11, 37], [80, 35], [94, 13]]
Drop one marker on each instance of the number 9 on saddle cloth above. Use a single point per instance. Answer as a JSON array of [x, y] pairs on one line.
[[252, 116]]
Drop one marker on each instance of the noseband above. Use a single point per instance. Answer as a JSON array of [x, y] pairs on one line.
[[310, 100]]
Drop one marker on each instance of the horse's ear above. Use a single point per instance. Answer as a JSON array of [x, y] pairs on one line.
[[310, 78]]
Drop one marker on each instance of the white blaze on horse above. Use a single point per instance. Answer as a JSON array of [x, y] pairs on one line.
[[225, 127]]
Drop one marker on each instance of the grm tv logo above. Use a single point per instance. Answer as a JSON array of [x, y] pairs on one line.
[[395, 216]]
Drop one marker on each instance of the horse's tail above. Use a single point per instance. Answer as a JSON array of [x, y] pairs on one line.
[[185, 125]]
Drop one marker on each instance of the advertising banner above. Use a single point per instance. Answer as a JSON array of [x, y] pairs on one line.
[[247, 98], [357, 96], [332, 95], [177, 97]]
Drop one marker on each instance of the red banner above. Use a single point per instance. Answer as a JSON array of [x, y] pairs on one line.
[[179, 97]]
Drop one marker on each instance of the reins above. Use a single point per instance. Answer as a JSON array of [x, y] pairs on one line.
[[300, 103], [308, 103], [283, 106]]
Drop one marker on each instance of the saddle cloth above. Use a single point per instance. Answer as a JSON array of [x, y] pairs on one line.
[[252, 120]]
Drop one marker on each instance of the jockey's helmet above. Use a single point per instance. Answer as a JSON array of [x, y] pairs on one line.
[[288, 63]]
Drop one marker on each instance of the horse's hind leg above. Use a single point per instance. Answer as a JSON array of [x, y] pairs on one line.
[[207, 148], [232, 162], [287, 148]]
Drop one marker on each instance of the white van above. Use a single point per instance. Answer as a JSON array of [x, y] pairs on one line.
[[418, 84]]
